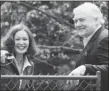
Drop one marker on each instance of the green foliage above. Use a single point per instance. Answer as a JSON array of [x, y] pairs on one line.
[[50, 25]]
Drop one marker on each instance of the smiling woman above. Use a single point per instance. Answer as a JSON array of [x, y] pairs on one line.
[[20, 46], [20, 43]]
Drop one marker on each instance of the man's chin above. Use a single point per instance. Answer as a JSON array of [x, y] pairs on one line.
[[81, 35]]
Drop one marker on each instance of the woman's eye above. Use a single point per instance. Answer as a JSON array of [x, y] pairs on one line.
[[24, 39]]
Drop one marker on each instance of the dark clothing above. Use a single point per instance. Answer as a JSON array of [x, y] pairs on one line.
[[43, 67], [95, 56], [11, 69], [37, 67]]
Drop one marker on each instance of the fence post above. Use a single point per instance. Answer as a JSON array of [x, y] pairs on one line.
[[98, 80]]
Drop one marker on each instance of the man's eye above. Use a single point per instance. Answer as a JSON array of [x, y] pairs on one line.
[[81, 19], [75, 21], [17, 39]]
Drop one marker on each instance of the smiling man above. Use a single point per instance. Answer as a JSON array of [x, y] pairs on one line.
[[90, 25]]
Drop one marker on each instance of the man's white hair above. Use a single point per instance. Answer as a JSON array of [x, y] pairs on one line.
[[91, 9]]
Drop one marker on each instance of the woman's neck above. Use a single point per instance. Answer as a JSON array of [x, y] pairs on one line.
[[19, 58]]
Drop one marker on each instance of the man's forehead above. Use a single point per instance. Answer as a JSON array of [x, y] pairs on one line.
[[81, 14]]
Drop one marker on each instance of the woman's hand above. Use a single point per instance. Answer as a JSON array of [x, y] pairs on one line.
[[76, 72], [3, 55]]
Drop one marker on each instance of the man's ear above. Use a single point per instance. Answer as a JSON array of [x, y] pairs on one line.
[[97, 22], [96, 18]]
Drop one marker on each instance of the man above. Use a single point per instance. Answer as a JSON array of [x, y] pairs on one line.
[[89, 23]]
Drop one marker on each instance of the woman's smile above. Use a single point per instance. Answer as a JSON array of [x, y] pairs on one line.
[[21, 47]]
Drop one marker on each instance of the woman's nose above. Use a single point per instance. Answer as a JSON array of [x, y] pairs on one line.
[[21, 41]]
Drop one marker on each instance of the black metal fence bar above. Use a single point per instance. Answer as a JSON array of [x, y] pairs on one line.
[[53, 77], [98, 81], [56, 81]]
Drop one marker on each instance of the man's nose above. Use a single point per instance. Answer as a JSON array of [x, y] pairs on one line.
[[78, 24], [78, 27]]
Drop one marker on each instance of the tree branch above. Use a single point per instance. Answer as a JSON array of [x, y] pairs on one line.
[[60, 20]]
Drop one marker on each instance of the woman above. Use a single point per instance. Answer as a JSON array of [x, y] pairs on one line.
[[18, 55]]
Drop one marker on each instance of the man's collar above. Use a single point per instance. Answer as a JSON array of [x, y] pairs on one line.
[[94, 32], [86, 40]]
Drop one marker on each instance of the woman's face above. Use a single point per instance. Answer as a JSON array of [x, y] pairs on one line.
[[21, 40]]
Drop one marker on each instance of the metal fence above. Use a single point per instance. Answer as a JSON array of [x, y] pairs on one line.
[[52, 82]]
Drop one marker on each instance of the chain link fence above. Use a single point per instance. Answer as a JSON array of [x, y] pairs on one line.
[[50, 82]]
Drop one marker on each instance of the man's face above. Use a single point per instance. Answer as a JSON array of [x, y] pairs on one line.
[[85, 24]]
